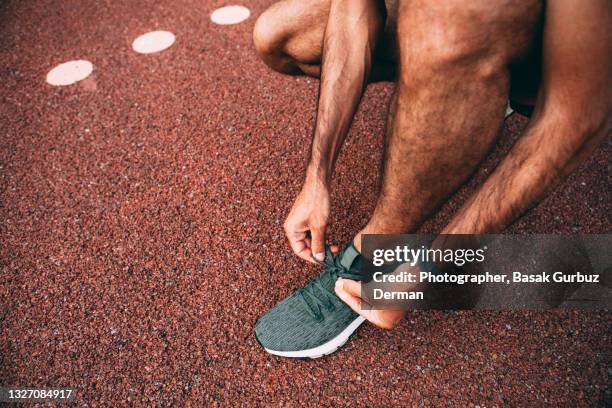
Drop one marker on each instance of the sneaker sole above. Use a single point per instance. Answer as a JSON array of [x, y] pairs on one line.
[[326, 348]]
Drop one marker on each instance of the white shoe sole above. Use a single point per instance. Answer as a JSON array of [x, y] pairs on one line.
[[326, 348]]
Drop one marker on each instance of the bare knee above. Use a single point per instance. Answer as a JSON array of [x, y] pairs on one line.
[[448, 38], [441, 57], [268, 38], [273, 32], [288, 36]]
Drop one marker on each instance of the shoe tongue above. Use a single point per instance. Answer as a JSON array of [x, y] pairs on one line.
[[348, 256]]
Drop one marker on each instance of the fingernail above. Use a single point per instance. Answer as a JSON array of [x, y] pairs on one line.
[[320, 256], [339, 283]]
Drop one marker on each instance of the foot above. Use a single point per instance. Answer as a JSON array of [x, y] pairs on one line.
[[313, 321]]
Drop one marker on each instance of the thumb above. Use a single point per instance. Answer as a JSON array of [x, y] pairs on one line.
[[349, 286], [317, 236]]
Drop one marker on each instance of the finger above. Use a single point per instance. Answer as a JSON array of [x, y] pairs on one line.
[[355, 303], [294, 237], [350, 286], [317, 237], [297, 241], [307, 256], [303, 251]]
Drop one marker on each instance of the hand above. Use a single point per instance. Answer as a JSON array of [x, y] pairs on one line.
[[307, 222], [350, 293]]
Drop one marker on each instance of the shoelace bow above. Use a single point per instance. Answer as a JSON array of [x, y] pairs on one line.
[[315, 295]]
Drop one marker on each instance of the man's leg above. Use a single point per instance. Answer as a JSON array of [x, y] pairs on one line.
[[288, 37], [449, 103], [572, 116]]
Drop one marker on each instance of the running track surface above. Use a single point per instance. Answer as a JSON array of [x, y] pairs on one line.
[[141, 230]]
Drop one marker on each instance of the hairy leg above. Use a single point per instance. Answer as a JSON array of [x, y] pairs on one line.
[[450, 102], [288, 37], [571, 118]]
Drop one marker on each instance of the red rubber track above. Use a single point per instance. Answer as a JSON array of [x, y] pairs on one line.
[[141, 214]]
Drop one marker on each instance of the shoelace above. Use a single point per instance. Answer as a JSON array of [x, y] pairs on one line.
[[315, 295]]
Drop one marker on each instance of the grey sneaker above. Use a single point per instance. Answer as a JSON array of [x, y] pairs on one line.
[[313, 321]]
